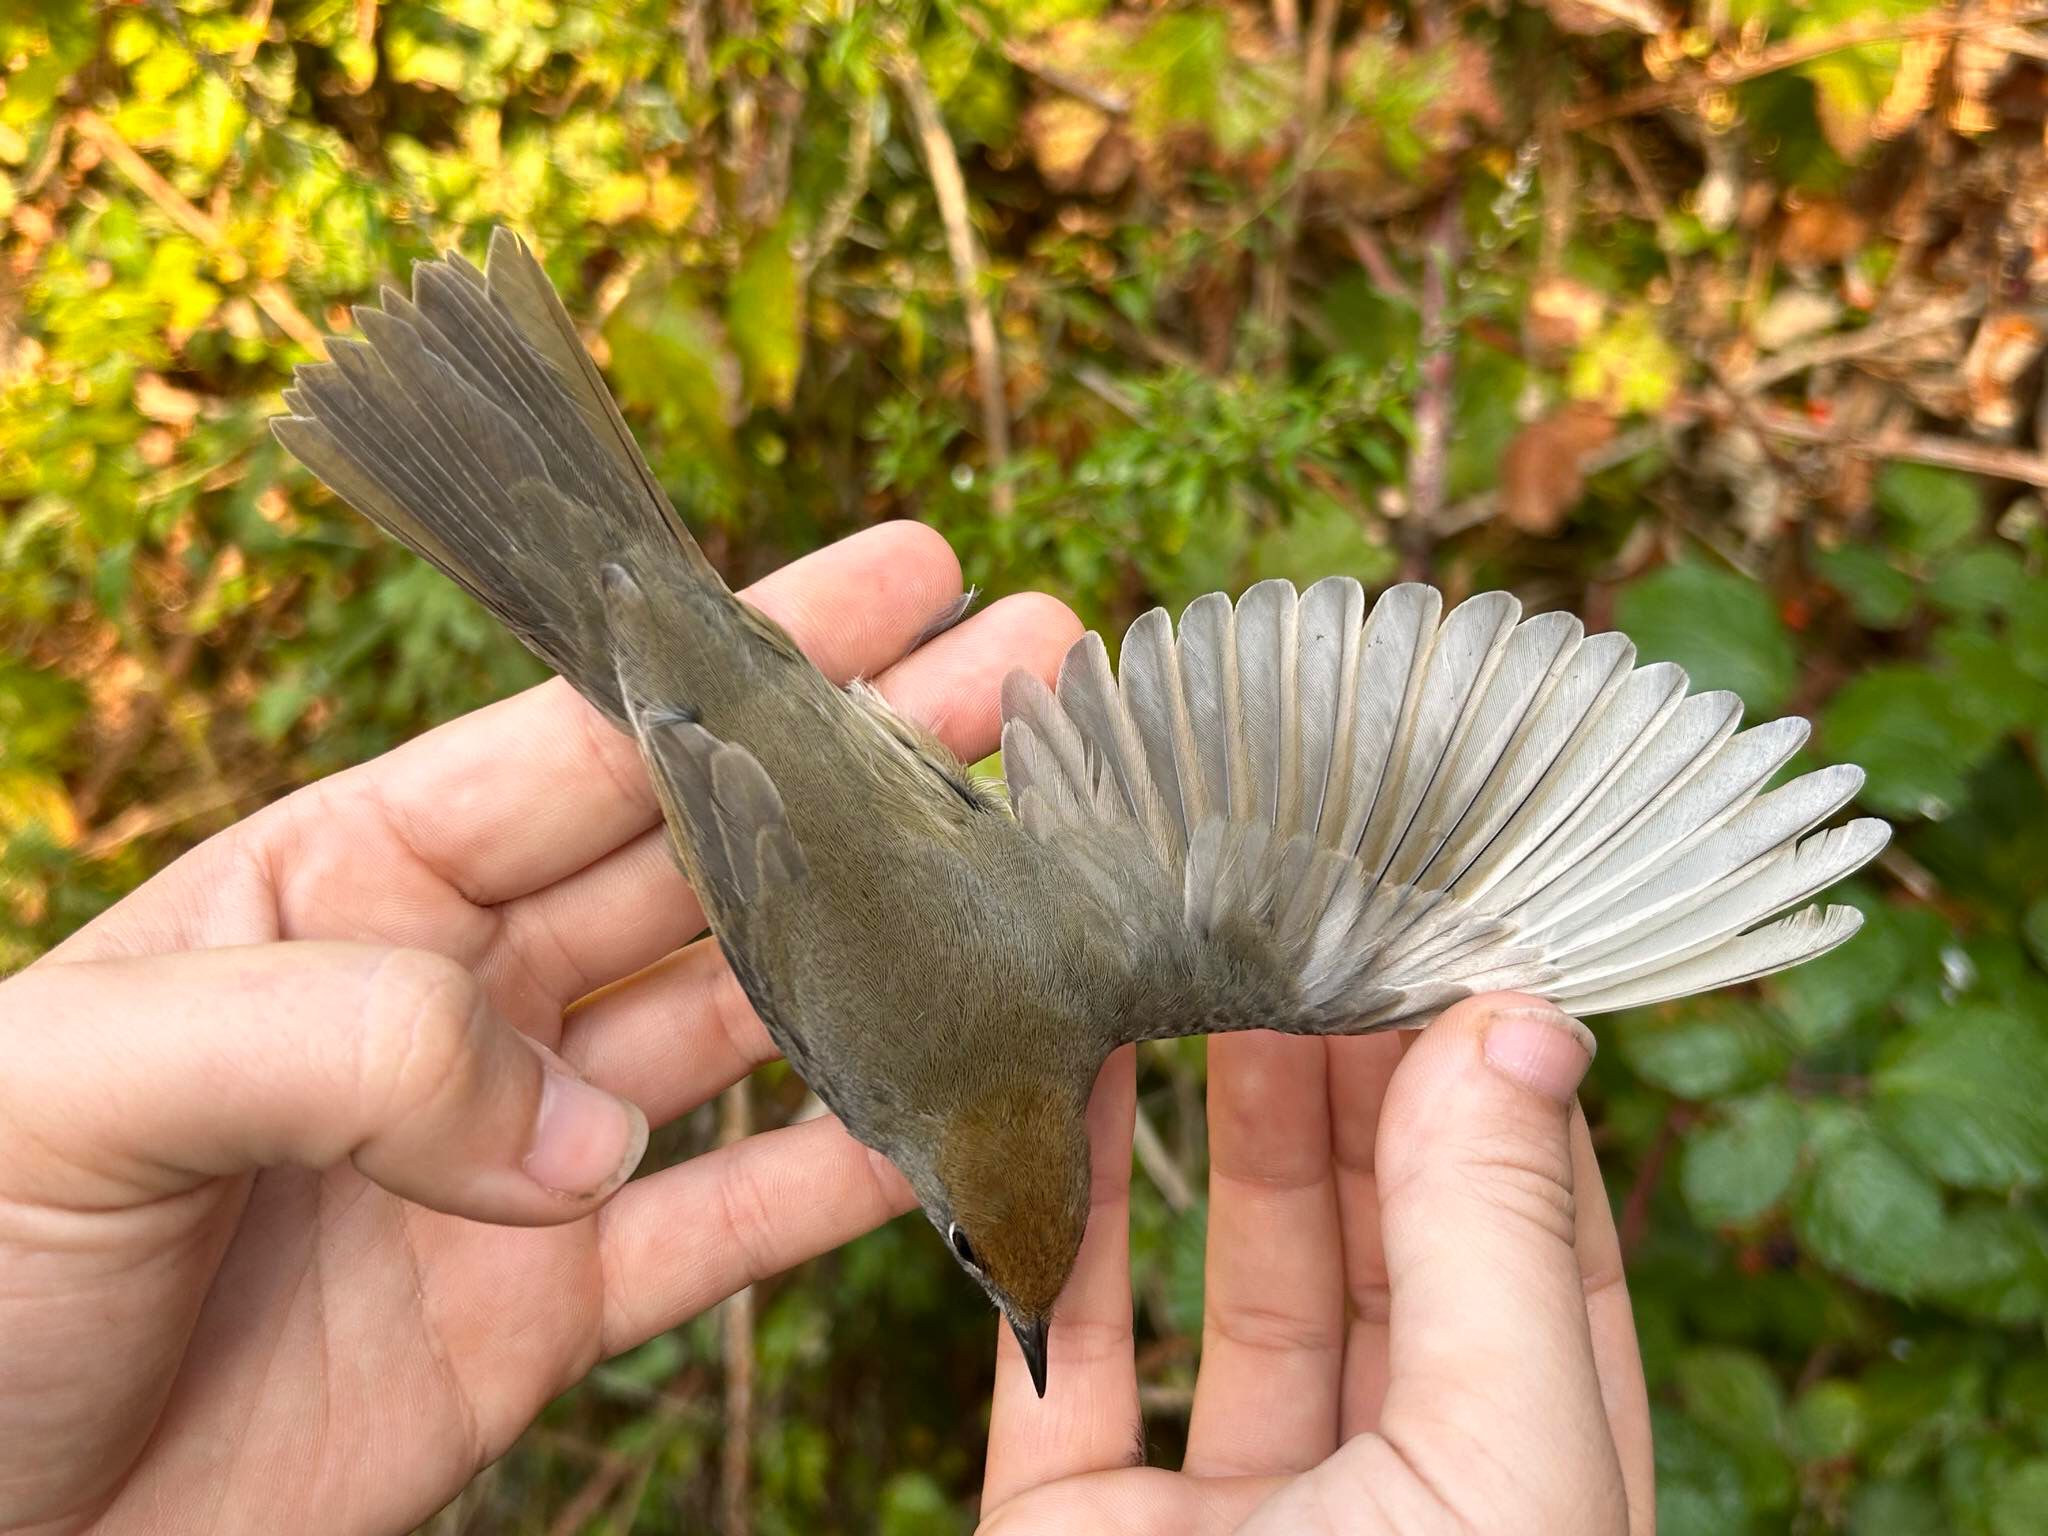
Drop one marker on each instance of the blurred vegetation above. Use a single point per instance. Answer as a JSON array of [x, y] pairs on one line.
[[1698, 321]]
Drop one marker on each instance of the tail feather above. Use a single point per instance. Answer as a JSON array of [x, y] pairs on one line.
[[471, 425]]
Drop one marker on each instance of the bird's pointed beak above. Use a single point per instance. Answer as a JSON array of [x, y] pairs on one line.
[[1031, 1338]]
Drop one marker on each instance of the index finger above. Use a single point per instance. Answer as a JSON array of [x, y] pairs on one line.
[[1088, 1420], [528, 790]]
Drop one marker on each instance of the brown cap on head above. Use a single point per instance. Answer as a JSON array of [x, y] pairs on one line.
[[1015, 1166]]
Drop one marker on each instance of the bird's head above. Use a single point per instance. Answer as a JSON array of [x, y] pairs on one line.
[[1010, 1196]]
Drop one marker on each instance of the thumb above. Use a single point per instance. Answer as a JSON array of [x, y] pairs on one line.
[[133, 1079], [1492, 1384]]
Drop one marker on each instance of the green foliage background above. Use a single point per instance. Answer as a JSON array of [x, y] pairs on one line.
[[1830, 1184]]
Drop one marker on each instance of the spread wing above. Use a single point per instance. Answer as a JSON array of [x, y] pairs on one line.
[[1413, 807]]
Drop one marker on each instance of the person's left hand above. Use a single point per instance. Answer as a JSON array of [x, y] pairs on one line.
[[1414, 1318], [216, 1310]]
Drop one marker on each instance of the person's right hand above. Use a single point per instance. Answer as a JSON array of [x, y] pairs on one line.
[[1415, 1318], [307, 1188]]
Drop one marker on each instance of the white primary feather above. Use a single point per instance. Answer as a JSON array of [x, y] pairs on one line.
[[1419, 806]]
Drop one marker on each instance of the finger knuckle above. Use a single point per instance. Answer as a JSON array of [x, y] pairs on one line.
[[748, 1212], [1371, 1298], [1525, 1181], [421, 1015], [1276, 1330]]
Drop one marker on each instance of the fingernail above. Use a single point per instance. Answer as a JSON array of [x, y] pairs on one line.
[[1540, 1048], [585, 1142]]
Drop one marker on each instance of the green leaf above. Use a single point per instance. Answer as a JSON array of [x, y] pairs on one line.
[[1700, 1485], [1977, 582], [1739, 1167], [1322, 537], [2034, 929], [1991, 687], [913, 1504], [1699, 1050], [1927, 1398], [2028, 628], [1993, 1264], [1869, 1214], [2023, 1395], [1628, 365], [1930, 511], [1828, 1421], [1187, 74], [667, 360], [280, 705], [1732, 1394], [1880, 595], [1895, 1508], [1719, 626], [1186, 1267], [2019, 1499], [1905, 727], [1973, 1470], [764, 315], [1965, 1095], [1818, 1001]]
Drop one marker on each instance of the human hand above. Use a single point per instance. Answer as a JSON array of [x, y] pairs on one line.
[[1415, 1316], [254, 1120]]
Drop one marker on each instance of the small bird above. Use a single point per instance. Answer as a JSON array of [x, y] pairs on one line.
[[1293, 812]]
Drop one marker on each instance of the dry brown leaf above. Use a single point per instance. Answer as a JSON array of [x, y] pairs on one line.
[[1793, 315], [1912, 91], [1542, 474], [1590, 18], [1980, 64], [1563, 312], [1819, 232], [1063, 135], [160, 400], [2004, 348]]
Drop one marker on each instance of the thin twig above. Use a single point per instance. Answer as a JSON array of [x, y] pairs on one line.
[[1023, 56], [612, 1470], [139, 821], [1372, 256], [838, 214], [1165, 1400], [1634, 1224], [1287, 21], [1174, 1186], [163, 677], [942, 162], [1273, 275], [259, 25], [1428, 459], [1107, 390], [1917, 878], [736, 1320], [269, 296], [1721, 72], [1910, 322], [2016, 464]]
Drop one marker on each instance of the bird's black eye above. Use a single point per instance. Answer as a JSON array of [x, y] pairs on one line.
[[961, 1246]]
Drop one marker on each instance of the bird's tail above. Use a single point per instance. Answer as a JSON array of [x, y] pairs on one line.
[[472, 426]]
